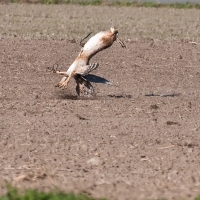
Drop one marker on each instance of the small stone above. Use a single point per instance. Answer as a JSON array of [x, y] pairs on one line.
[[94, 161]]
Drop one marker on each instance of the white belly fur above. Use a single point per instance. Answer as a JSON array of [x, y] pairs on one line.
[[77, 63], [94, 43]]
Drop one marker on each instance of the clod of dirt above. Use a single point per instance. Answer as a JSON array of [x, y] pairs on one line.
[[81, 118], [172, 123], [154, 106]]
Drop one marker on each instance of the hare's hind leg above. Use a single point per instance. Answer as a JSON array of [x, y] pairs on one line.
[[83, 87]]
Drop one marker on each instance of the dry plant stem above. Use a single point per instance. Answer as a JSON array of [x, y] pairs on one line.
[[167, 147]]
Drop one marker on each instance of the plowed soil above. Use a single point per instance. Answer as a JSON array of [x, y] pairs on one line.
[[138, 139]]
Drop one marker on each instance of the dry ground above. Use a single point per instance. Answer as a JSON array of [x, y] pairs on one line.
[[139, 140]]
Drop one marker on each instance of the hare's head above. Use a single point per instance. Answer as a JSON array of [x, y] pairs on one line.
[[115, 32]]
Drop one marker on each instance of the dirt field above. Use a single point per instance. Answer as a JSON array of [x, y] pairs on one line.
[[139, 140]]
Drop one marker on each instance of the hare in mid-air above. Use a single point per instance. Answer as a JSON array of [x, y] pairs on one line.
[[80, 68]]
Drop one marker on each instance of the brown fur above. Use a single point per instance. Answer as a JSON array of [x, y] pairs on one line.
[[108, 40], [82, 56], [83, 87]]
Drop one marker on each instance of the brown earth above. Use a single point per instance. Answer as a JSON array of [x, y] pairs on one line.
[[139, 140]]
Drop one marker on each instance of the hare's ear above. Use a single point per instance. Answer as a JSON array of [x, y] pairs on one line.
[[120, 42]]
